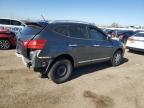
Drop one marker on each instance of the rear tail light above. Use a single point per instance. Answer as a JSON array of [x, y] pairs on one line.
[[35, 44]]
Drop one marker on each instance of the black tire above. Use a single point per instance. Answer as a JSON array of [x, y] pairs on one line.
[[117, 58], [60, 71], [5, 44], [130, 50]]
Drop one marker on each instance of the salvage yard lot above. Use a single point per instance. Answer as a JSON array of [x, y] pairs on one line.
[[95, 86]]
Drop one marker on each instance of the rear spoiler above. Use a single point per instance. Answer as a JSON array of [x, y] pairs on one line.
[[40, 24]]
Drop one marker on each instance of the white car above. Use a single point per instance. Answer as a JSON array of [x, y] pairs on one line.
[[12, 25], [136, 42]]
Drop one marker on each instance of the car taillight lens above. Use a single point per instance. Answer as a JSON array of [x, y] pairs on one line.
[[35, 44]]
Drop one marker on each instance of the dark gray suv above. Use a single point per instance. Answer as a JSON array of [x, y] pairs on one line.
[[55, 48]]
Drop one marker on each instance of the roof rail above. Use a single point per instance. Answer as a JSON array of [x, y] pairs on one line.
[[72, 21]]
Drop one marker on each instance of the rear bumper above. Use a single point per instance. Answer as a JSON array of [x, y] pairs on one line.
[[37, 63], [135, 49]]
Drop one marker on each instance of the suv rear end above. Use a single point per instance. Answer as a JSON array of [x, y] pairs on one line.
[[30, 43]]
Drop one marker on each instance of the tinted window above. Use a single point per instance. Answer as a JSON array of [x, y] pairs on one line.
[[5, 21], [31, 30], [16, 23], [96, 34], [110, 32], [121, 32], [62, 29], [139, 35], [78, 31], [128, 33]]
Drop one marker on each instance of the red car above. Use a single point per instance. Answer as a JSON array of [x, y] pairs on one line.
[[7, 39]]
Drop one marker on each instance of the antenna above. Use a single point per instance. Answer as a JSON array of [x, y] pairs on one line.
[[43, 17]]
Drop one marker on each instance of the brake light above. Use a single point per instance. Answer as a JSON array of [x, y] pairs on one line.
[[35, 44]]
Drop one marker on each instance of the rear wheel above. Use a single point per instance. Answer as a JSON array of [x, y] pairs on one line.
[[117, 58], [5, 44], [60, 71]]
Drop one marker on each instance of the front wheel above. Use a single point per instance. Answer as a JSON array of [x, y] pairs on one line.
[[4, 44], [60, 71], [117, 58]]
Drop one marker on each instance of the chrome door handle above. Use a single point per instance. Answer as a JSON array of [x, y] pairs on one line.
[[96, 45], [73, 45]]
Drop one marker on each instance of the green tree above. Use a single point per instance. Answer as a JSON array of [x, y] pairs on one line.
[[115, 25]]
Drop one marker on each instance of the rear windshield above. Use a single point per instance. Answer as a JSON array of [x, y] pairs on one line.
[[32, 29], [139, 35]]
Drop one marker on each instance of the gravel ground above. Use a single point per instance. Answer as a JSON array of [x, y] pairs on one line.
[[94, 86]]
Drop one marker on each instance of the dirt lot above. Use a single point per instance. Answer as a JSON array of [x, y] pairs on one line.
[[95, 86]]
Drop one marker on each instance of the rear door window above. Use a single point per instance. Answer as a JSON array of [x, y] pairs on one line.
[[139, 35], [5, 21], [61, 29], [16, 23], [129, 33], [78, 31]]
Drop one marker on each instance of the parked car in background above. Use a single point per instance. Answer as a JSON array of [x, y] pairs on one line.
[[124, 35], [113, 33], [12, 25], [136, 42], [55, 48], [7, 39], [109, 32]]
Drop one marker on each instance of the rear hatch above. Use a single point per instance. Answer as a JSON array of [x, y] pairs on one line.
[[28, 34]]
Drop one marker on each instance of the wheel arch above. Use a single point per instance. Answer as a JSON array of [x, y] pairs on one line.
[[119, 49], [63, 56]]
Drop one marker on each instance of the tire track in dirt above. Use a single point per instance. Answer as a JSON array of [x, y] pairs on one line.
[[100, 101]]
